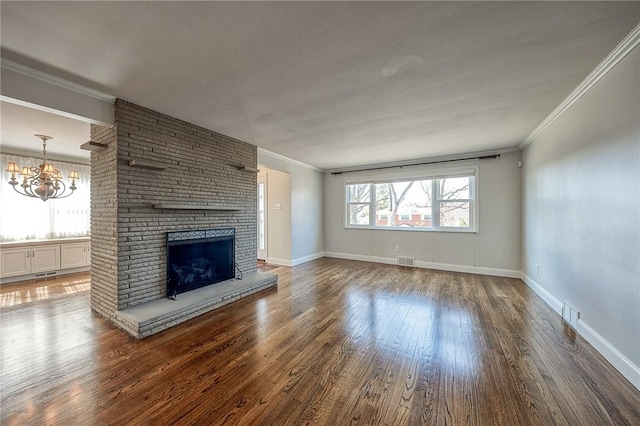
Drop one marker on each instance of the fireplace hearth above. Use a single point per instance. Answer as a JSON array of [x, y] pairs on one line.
[[199, 258]]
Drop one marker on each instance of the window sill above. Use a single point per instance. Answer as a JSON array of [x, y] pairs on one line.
[[446, 231]]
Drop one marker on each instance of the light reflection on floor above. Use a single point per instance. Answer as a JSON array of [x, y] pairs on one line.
[[405, 325], [18, 297], [44, 337]]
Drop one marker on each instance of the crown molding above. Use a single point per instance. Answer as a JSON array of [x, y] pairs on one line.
[[287, 159], [620, 52], [57, 81]]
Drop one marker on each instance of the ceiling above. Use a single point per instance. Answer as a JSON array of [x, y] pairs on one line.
[[331, 84], [20, 124]]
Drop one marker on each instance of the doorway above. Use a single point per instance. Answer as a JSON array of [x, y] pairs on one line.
[[262, 217]]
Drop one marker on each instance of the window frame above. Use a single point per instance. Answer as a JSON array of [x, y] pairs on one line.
[[471, 200], [435, 174], [350, 203]]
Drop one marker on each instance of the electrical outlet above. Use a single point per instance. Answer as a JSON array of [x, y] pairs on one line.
[[397, 248], [537, 268], [315, 244]]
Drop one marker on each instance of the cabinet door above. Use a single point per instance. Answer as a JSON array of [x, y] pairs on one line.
[[45, 258], [73, 255], [15, 262]]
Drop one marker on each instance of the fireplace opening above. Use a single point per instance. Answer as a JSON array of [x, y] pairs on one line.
[[199, 258]]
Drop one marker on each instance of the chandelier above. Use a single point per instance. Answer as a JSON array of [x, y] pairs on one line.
[[42, 182]]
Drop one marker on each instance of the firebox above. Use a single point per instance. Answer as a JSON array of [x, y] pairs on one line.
[[199, 258]]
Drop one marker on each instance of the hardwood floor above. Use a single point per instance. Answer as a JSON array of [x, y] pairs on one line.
[[339, 342]]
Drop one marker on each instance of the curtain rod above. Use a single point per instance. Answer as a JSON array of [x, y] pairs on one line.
[[484, 157]]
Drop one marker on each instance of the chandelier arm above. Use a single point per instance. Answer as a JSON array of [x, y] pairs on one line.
[[30, 189], [61, 190], [63, 196], [24, 191]]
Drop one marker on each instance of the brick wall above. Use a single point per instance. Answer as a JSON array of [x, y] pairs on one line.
[[128, 235], [104, 237]]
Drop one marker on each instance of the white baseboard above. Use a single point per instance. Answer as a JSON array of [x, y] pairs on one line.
[[300, 260], [360, 257], [430, 265], [276, 261], [627, 368], [551, 300], [480, 270]]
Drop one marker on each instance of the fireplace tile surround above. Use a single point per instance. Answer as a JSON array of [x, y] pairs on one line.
[[128, 244]]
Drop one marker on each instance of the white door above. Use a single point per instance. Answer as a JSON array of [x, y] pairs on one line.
[[262, 217]]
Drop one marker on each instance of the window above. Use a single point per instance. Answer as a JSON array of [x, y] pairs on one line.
[[358, 204], [444, 202], [24, 218], [454, 202]]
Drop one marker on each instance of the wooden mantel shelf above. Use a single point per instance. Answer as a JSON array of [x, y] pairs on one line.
[[94, 146], [195, 207], [144, 164]]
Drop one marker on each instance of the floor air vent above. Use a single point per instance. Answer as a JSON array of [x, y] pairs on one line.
[[45, 274], [405, 261]]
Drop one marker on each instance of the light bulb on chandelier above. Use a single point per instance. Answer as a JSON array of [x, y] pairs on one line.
[[44, 182]]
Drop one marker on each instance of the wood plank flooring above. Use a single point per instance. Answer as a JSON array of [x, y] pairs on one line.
[[339, 342]]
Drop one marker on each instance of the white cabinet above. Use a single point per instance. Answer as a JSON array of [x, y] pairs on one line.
[[15, 262], [75, 255], [30, 260], [45, 259]]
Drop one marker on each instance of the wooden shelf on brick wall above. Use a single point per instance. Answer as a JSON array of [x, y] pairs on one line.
[[144, 164], [247, 169], [195, 207], [94, 146]]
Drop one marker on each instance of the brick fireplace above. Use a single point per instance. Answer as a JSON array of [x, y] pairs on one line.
[[152, 174]]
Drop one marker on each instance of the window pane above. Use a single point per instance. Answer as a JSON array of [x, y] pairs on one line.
[[359, 214], [403, 204], [454, 188], [359, 193], [455, 214]]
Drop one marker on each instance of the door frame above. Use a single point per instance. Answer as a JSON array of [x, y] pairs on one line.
[[262, 254]]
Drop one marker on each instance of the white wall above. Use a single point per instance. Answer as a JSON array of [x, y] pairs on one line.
[[306, 197], [494, 250], [581, 217]]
